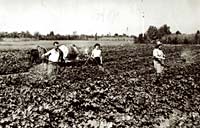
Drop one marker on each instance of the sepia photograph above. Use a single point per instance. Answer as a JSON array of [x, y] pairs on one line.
[[99, 63]]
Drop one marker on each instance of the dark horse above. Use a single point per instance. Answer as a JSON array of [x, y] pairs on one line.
[[35, 55]]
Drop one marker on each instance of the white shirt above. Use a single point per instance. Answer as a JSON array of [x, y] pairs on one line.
[[158, 54], [65, 50], [53, 55], [75, 49], [96, 53]]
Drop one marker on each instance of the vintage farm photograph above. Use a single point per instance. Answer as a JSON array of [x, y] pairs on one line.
[[99, 64]]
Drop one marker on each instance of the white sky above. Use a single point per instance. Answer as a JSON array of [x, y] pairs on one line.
[[101, 16]]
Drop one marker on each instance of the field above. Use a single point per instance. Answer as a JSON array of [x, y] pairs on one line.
[[47, 44], [127, 95]]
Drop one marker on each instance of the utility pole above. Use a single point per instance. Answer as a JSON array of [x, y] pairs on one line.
[[143, 23], [127, 31]]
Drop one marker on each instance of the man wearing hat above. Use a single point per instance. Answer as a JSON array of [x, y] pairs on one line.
[[55, 55], [158, 58]]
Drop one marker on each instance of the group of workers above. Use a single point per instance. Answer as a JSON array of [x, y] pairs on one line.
[[63, 54]]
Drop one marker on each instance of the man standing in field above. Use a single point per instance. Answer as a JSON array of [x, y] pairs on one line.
[[158, 58], [55, 55]]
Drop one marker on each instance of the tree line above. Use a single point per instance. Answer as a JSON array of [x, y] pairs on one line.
[[52, 36], [153, 33], [164, 34], [49, 36]]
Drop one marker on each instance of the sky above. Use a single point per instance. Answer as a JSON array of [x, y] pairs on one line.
[[98, 16]]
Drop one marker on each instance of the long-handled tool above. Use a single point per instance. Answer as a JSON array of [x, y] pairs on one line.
[[90, 58]]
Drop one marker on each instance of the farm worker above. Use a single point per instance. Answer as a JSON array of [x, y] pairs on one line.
[[69, 53], [41, 51], [96, 54], [158, 58], [75, 52], [55, 55]]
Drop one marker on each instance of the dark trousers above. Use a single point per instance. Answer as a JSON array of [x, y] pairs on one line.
[[98, 60]]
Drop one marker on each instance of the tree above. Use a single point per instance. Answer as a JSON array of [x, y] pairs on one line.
[[197, 37], [28, 34], [169, 40], [37, 35], [116, 34], [3, 34], [152, 33], [125, 35], [14, 35], [186, 41], [146, 39], [175, 40], [163, 30], [140, 38], [95, 36], [51, 34], [178, 32], [22, 34]]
